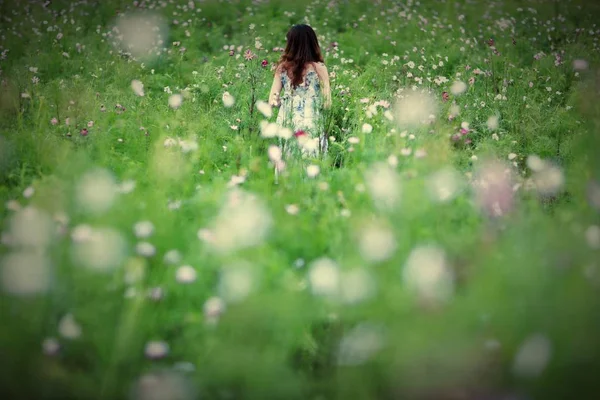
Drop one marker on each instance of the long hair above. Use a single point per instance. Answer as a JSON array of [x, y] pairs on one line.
[[302, 47]]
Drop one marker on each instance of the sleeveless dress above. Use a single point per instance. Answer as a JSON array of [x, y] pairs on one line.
[[300, 110]]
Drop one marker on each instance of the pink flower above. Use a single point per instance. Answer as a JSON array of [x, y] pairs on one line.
[[490, 42], [83, 132], [231, 52], [248, 55], [54, 121], [264, 63], [299, 133], [464, 131], [67, 121], [445, 96]]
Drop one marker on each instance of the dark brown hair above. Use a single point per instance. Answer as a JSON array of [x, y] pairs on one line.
[[302, 48]]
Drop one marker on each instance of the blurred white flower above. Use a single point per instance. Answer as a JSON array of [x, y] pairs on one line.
[[175, 101], [142, 34], [68, 327], [172, 257], [427, 274], [100, 249], [170, 142], [134, 270], [324, 277], [458, 87], [264, 108], [367, 128], [228, 100], [186, 274], [493, 188], [50, 346], [25, 273], [213, 308], [127, 186], [549, 180], [357, 285], [383, 184], [592, 236], [156, 349], [145, 249], [268, 129], [580, 65], [236, 282], [161, 386], [31, 227], [360, 344], [312, 170], [137, 87], [532, 357], [535, 163], [96, 191], [143, 229], [414, 109], [284, 133], [28, 192], [376, 243], [492, 122], [444, 185], [274, 153], [292, 209]]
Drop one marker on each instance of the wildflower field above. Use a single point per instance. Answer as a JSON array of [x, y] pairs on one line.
[[446, 247]]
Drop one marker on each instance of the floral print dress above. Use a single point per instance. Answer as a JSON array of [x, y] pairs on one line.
[[300, 111]]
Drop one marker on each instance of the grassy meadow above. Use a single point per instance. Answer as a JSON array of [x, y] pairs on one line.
[[446, 247]]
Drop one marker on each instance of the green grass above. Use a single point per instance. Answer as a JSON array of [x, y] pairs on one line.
[[531, 271]]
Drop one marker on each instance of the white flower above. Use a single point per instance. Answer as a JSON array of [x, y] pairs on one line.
[[172, 257], [268, 129], [353, 140], [512, 156], [228, 100], [143, 229], [170, 142], [492, 122], [458, 87], [137, 87], [25, 273], [367, 128], [284, 133], [312, 170], [145, 249], [324, 277], [213, 308], [68, 327], [28, 192], [383, 184], [376, 243], [264, 108], [292, 209], [427, 274], [175, 101], [50, 346], [96, 191], [592, 236], [274, 153], [186, 274], [444, 185], [532, 357], [156, 349], [359, 345]]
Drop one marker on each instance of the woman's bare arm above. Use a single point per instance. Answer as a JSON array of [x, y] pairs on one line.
[[275, 89], [324, 76]]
